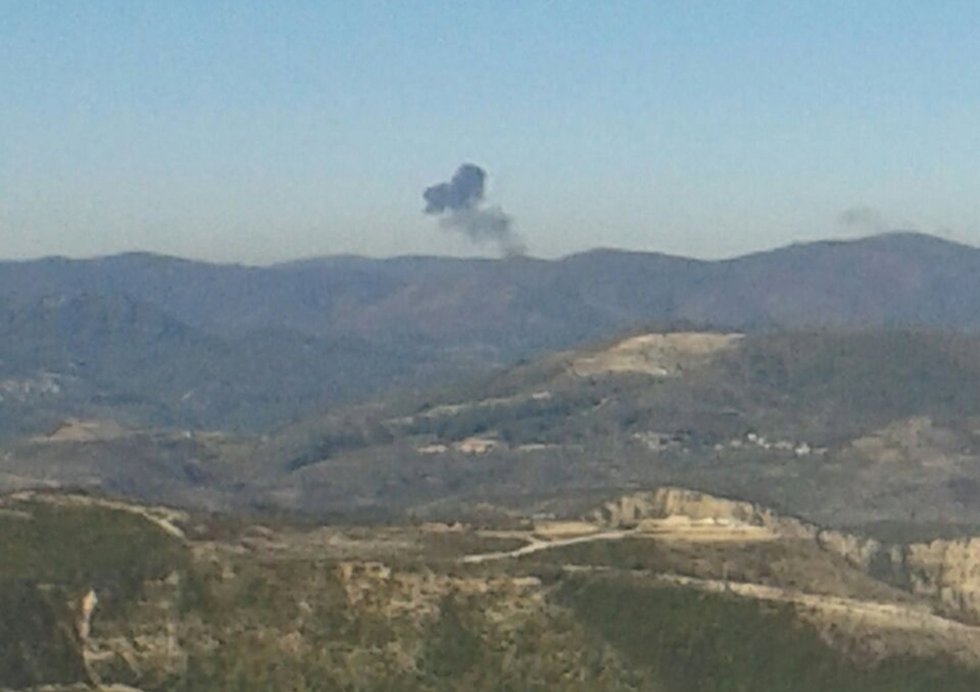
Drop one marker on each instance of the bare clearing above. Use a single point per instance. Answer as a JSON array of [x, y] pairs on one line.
[[661, 355], [75, 430], [684, 529], [537, 545], [550, 535]]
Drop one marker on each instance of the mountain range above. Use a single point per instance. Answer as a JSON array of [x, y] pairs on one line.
[[162, 340]]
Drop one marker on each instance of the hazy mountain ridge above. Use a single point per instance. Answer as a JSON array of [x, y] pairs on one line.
[[902, 278], [110, 355], [260, 346]]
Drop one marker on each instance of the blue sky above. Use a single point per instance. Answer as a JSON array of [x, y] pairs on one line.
[[261, 131]]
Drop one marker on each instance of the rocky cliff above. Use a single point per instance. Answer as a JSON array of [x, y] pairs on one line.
[[948, 571]]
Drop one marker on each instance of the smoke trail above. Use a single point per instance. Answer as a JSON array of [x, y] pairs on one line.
[[865, 219]]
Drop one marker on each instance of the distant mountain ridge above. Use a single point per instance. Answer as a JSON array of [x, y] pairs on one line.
[[904, 279], [341, 327]]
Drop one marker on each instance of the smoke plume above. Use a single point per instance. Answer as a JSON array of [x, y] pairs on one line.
[[864, 219], [460, 205]]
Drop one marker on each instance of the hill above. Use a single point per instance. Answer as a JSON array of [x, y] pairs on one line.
[[877, 431], [259, 346], [667, 590], [871, 429]]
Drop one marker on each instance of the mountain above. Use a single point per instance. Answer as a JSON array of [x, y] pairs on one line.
[[269, 344], [897, 278], [109, 355]]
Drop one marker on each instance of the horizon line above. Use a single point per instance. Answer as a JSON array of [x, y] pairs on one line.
[[150, 254]]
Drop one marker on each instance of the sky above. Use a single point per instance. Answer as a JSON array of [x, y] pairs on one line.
[[255, 131]]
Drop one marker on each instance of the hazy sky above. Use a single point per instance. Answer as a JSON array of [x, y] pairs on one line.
[[260, 131]]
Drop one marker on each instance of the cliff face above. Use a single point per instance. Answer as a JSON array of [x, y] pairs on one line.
[[947, 571], [672, 502]]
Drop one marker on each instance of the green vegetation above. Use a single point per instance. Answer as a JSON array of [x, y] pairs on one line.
[[856, 380], [90, 547], [271, 641], [245, 617], [454, 544], [717, 642], [51, 555], [816, 390], [820, 386], [37, 640]]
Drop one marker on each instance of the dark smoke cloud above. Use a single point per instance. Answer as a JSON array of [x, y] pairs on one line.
[[464, 191], [461, 207]]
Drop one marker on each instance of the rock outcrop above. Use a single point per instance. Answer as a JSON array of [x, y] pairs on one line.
[[667, 502], [949, 571]]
